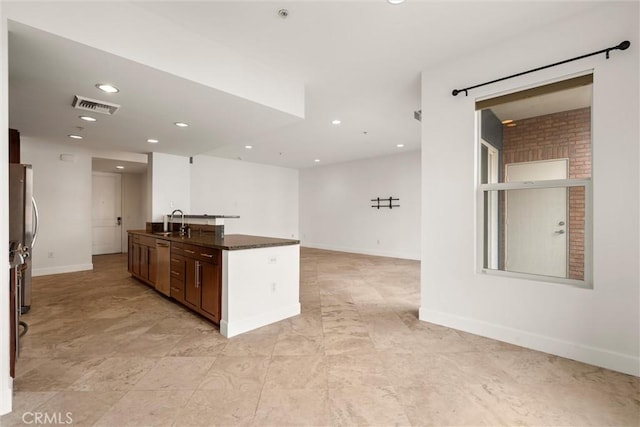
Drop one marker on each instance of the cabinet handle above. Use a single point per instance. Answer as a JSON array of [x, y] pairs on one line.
[[197, 274], [188, 251], [175, 273], [207, 255]]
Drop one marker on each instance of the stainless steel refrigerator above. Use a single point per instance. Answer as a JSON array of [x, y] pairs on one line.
[[23, 222]]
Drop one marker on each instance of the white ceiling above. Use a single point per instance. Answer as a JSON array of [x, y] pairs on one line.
[[100, 164], [554, 102], [360, 62]]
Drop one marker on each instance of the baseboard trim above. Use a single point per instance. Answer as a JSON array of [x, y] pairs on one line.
[[236, 327], [61, 269], [400, 255], [594, 356]]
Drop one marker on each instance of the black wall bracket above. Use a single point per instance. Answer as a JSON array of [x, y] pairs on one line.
[[385, 203]]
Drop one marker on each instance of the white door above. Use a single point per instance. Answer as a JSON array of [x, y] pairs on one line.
[[536, 231], [106, 213]]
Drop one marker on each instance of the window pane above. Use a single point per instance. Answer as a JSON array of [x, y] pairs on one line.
[[547, 127], [536, 231]]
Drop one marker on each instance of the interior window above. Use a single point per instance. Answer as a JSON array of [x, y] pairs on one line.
[[534, 181]]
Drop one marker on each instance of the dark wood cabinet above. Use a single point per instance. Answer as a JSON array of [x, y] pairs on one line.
[[211, 290], [143, 259], [193, 273], [152, 263], [192, 283], [198, 272], [177, 270], [14, 146]]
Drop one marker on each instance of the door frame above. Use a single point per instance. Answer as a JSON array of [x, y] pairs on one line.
[[94, 173]]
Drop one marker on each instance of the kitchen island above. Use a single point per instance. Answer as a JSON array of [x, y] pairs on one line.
[[240, 282]]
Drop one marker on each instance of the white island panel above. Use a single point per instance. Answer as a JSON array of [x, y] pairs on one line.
[[259, 287]]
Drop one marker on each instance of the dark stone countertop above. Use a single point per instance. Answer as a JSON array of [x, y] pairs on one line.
[[205, 216], [230, 242]]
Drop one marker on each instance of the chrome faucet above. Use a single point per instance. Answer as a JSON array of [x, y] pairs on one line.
[[182, 227]]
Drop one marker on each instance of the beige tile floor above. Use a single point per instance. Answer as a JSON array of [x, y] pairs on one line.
[[112, 352]]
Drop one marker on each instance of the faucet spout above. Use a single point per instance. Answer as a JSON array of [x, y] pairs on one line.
[[182, 227]]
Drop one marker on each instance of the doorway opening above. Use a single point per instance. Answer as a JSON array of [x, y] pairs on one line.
[[120, 202]]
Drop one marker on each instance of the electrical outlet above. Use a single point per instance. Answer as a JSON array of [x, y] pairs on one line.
[[49, 254], [378, 241], [273, 287], [273, 259]]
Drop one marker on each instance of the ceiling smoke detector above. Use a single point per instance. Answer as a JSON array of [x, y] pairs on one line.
[[283, 13], [88, 104]]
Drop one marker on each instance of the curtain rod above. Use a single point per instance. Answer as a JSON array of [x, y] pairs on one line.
[[622, 46]]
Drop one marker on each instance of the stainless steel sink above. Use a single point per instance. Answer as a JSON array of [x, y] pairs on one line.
[[167, 233]]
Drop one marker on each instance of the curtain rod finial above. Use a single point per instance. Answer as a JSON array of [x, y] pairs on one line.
[[624, 45]]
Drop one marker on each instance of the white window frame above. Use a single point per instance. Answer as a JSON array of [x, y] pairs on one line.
[[493, 166], [587, 282]]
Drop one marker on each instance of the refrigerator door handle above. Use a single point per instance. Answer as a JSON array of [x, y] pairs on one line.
[[35, 225]]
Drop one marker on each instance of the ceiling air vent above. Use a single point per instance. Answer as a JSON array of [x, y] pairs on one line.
[[88, 104]]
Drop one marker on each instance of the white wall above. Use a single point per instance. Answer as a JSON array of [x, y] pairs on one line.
[[170, 184], [265, 197], [130, 31], [62, 190], [133, 204], [336, 212], [5, 380], [598, 326]]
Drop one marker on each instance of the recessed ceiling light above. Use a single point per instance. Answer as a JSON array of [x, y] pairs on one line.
[[152, 141], [317, 160], [395, 1], [506, 122], [106, 87], [248, 147], [119, 167], [74, 136], [181, 124], [88, 118], [399, 145], [335, 122]]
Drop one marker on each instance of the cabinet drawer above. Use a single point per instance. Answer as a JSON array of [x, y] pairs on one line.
[[200, 253], [148, 241], [176, 289], [176, 267], [209, 255], [177, 249]]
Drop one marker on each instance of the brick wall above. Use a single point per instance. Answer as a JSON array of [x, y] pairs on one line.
[[556, 136]]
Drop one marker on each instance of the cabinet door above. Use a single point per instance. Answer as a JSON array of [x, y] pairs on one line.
[[130, 253], [211, 289], [144, 262], [193, 275], [153, 265], [136, 259]]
